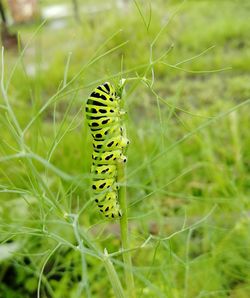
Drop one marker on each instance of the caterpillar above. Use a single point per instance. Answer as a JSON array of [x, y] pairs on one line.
[[104, 117]]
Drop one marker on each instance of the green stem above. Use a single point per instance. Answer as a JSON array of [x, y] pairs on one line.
[[84, 281], [113, 277], [121, 178], [112, 274]]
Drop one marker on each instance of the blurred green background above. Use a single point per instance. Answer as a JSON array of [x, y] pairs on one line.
[[187, 98]]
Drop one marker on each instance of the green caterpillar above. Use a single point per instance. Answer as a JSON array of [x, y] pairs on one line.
[[104, 116]]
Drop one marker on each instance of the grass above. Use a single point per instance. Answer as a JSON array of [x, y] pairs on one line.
[[187, 97]]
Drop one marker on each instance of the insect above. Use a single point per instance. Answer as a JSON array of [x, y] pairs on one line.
[[104, 117]]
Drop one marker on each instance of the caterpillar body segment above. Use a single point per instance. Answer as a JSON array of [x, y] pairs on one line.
[[100, 122], [111, 144], [108, 157], [109, 205], [106, 111], [103, 99], [101, 133], [102, 184], [104, 117], [104, 171]]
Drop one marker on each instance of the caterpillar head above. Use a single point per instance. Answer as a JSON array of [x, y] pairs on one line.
[[108, 88]]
